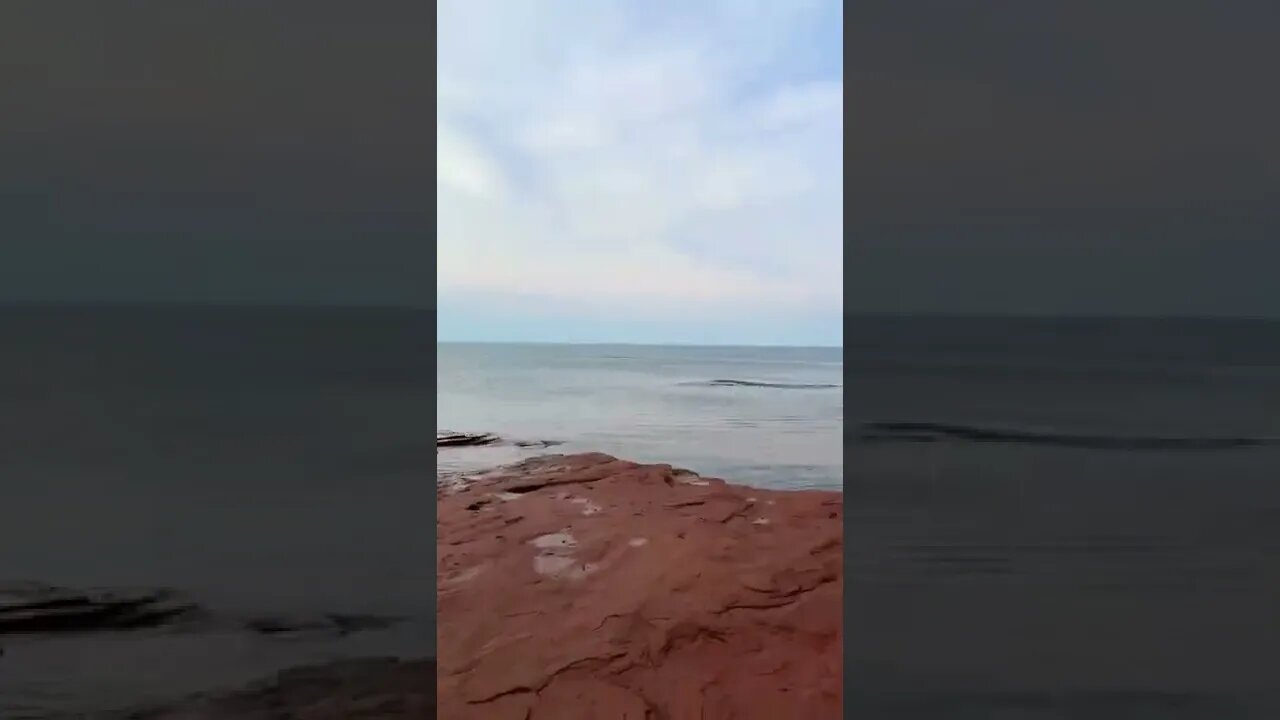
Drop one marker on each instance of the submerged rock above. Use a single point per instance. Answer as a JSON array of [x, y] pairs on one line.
[[33, 608], [330, 624]]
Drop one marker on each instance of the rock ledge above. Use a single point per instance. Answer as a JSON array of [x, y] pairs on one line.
[[585, 586]]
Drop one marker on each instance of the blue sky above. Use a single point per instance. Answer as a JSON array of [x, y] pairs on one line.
[[628, 171]]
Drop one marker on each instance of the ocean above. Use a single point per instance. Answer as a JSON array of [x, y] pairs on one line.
[[767, 416], [1070, 518], [277, 462], [1046, 518], [264, 462]]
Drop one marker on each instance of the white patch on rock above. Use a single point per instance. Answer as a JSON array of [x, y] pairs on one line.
[[751, 499], [507, 496], [638, 542], [467, 575], [760, 521], [556, 559], [553, 565], [554, 541], [588, 507]]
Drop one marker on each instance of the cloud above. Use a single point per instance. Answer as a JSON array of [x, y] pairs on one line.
[[644, 158]]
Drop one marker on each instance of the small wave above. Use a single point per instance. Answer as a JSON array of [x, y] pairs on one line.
[[934, 431], [753, 383]]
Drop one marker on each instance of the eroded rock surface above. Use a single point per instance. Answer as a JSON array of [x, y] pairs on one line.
[[585, 586]]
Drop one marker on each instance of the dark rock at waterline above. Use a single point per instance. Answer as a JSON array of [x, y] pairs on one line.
[[44, 609], [538, 443], [455, 439], [447, 438], [329, 624], [33, 608]]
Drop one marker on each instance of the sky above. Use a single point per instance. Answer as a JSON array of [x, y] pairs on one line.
[[1079, 158], [633, 171], [644, 171], [216, 151]]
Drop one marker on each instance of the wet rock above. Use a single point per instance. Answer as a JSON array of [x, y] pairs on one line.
[[454, 439], [538, 443], [330, 624], [448, 438], [33, 608]]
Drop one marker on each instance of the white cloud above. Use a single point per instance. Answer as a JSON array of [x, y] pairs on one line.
[[640, 156], [462, 167]]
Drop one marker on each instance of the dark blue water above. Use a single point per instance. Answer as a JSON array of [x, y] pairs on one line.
[[260, 461], [765, 416], [1063, 518], [1047, 519]]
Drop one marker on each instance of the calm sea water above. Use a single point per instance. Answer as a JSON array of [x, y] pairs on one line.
[[763, 416], [1082, 519], [265, 462]]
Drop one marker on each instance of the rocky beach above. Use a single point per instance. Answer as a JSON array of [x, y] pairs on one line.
[[588, 587]]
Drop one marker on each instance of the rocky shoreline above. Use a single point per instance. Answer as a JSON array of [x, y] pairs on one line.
[[576, 587], [35, 609]]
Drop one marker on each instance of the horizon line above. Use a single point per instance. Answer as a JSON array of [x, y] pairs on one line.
[[219, 305], [300, 304], [1058, 316], [637, 344]]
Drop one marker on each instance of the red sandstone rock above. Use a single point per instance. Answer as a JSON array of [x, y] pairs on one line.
[[589, 587]]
